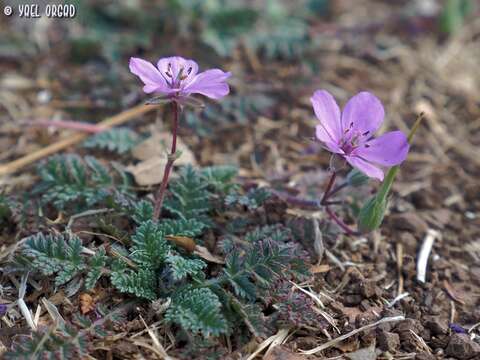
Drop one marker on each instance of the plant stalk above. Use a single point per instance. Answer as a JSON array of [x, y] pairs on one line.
[[168, 167], [324, 202]]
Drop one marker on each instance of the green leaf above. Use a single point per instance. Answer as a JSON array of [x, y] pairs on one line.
[[220, 177], [181, 267], [117, 140], [182, 227], [55, 254], [5, 210], [96, 264], [239, 278], [142, 211], [454, 13], [372, 213], [141, 283], [253, 199], [264, 262], [190, 198], [69, 180], [150, 248], [199, 311]]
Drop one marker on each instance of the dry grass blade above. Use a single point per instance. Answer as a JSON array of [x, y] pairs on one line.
[[351, 333], [160, 350], [118, 119], [271, 342]]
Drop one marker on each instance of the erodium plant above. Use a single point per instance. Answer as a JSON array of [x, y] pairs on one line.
[[350, 135], [176, 79]]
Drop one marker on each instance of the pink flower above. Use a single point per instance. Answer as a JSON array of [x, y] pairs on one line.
[[177, 78], [350, 134]]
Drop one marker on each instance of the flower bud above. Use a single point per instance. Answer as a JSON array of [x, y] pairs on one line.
[[371, 214]]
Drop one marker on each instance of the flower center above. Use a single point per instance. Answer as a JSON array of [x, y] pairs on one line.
[[176, 79], [353, 139]]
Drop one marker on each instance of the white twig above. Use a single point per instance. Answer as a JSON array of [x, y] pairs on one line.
[[424, 254], [309, 293], [351, 333], [27, 314], [397, 299]]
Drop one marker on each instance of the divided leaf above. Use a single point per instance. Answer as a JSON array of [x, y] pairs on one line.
[[119, 140], [190, 198], [141, 283], [97, 263], [55, 254], [199, 311], [150, 248], [181, 266], [67, 180]]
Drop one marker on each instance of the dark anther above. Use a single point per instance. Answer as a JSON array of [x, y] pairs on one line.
[[365, 133], [169, 70], [367, 146]]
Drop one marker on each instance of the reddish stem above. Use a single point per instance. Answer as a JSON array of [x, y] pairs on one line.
[[168, 167], [326, 195], [339, 222]]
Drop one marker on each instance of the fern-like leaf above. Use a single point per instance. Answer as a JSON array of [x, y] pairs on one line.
[[182, 227], [264, 262], [67, 179], [199, 311], [142, 211], [55, 254], [190, 198], [181, 266], [96, 264], [220, 177], [141, 283], [118, 140], [150, 248], [253, 199]]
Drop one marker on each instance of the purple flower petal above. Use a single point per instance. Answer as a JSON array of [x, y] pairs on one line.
[[211, 83], [170, 68], [363, 114], [388, 150], [365, 167], [151, 77], [322, 135], [328, 113]]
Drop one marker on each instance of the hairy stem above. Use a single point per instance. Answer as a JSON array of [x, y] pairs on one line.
[[168, 167]]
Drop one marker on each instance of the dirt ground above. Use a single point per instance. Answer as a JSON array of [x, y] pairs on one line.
[[371, 46]]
